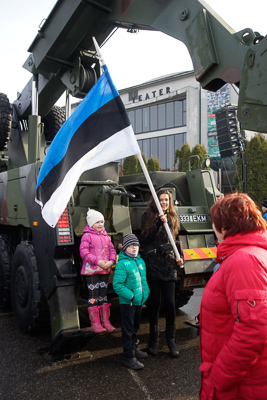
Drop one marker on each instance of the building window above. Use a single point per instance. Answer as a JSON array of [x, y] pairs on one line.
[[161, 116], [162, 152], [146, 147], [163, 148], [154, 147], [170, 151], [132, 119], [133, 95], [153, 118], [170, 114], [184, 113], [158, 117], [138, 121], [178, 113], [146, 119]]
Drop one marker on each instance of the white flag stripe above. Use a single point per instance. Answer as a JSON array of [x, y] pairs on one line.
[[120, 145]]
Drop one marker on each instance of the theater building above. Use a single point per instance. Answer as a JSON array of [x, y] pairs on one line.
[[170, 110]]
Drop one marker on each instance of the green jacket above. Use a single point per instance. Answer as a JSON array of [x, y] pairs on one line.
[[130, 279]]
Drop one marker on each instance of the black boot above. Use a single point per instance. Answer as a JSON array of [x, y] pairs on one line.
[[153, 348], [170, 337], [153, 341], [173, 348]]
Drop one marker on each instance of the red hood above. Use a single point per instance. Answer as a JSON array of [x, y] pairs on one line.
[[233, 243]]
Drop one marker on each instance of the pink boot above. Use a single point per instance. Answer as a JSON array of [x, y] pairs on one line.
[[95, 321], [105, 313]]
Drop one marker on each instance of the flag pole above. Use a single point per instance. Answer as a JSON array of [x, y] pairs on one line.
[[98, 51], [155, 197], [150, 184]]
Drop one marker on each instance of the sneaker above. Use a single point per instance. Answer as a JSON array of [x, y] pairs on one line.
[[133, 363], [140, 354]]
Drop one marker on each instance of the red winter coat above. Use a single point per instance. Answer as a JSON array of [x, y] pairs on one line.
[[95, 246], [233, 322]]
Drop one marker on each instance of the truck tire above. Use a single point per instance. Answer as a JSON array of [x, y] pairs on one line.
[[53, 121], [182, 297], [5, 120], [5, 268], [28, 303]]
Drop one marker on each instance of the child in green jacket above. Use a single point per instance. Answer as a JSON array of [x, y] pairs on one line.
[[130, 284]]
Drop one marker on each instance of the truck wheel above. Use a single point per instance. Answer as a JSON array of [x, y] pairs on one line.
[[28, 303], [53, 121], [5, 267], [182, 297], [5, 120]]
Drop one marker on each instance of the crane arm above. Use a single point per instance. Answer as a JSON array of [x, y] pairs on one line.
[[63, 50]]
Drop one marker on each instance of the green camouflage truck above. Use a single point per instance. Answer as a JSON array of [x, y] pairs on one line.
[[39, 265]]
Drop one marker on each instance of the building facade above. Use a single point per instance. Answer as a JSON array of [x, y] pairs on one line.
[[171, 110]]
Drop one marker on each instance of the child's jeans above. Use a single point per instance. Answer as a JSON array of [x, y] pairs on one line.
[[130, 324]]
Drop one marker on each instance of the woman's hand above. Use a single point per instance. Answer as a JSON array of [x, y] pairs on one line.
[[180, 262], [163, 217]]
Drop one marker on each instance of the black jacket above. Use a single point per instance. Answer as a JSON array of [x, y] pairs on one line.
[[157, 251]]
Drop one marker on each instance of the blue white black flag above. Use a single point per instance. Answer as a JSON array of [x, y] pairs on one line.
[[98, 132]]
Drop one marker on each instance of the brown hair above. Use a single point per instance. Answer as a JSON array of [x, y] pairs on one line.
[[153, 214], [237, 213]]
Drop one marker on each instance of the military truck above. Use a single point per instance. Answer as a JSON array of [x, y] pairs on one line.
[[193, 193], [39, 266]]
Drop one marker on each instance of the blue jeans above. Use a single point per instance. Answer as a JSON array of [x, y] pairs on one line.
[[130, 324]]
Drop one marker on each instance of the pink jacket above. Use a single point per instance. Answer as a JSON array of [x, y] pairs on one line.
[[233, 322], [95, 246]]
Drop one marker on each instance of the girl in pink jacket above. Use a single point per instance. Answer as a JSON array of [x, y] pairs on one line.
[[233, 312], [98, 255]]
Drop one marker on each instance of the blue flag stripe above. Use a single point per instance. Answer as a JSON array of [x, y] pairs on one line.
[[101, 93], [105, 122]]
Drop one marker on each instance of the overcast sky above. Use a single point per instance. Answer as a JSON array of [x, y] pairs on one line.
[[131, 58]]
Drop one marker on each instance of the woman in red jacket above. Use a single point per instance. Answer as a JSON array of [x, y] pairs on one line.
[[233, 312]]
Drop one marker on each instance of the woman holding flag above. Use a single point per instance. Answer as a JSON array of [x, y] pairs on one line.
[[161, 266]]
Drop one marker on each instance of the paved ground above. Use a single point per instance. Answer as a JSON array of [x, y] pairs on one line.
[[99, 373]]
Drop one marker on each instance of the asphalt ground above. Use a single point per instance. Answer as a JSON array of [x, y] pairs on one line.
[[98, 373]]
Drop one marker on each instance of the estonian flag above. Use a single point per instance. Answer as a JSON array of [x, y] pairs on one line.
[[98, 132]]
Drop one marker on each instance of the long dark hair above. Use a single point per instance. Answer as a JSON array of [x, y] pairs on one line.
[[153, 214]]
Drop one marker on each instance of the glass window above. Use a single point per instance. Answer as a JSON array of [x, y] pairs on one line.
[[178, 113], [138, 121], [179, 140], [133, 95], [131, 118], [161, 116], [146, 148], [154, 147], [162, 152], [184, 112], [170, 152], [140, 143], [145, 119], [169, 115], [153, 118]]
